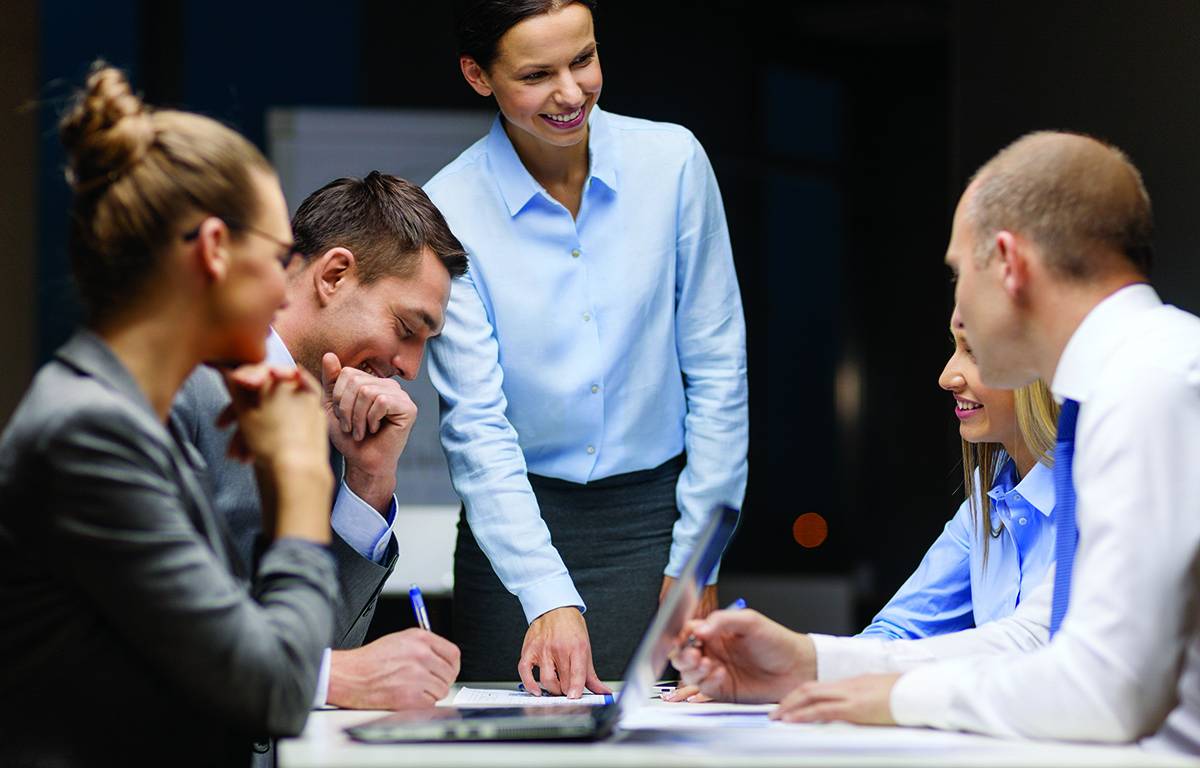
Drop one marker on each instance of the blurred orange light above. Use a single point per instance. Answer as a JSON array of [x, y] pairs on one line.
[[810, 530]]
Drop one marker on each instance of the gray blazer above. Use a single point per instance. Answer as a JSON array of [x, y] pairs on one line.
[[128, 626], [360, 580]]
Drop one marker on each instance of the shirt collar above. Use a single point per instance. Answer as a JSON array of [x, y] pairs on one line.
[[1092, 344], [517, 185], [277, 352], [1036, 488], [602, 149]]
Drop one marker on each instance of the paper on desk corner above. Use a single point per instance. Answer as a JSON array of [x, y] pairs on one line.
[[703, 716], [491, 697]]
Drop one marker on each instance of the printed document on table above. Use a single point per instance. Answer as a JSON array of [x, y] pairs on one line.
[[489, 697]]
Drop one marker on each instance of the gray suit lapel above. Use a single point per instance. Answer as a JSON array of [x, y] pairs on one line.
[[86, 352]]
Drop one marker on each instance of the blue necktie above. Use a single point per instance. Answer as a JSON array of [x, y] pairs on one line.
[[1066, 536]]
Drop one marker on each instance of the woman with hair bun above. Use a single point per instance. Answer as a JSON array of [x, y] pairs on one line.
[[131, 633]]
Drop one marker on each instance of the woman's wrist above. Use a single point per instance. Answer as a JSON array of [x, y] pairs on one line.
[[301, 488], [291, 467]]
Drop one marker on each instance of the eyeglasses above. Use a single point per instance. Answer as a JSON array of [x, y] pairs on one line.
[[290, 250]]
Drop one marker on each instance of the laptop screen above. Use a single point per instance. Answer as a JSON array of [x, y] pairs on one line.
[[677, 607]]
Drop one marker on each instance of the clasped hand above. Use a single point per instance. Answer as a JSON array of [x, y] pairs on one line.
[[281, 429]]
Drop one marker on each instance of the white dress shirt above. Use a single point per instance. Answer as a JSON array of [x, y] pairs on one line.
[[1113, 672]]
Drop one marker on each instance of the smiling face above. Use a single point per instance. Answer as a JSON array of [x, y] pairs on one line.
[[380, 327], [546, 77], [985, 415]]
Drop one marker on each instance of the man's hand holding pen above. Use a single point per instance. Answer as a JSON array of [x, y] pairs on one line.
[[742, 656]]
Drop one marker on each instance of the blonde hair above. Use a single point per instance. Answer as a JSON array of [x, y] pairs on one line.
[[1037, 426], [135, 173]]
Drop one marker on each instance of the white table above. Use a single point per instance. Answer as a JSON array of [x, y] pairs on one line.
[[324, 744]]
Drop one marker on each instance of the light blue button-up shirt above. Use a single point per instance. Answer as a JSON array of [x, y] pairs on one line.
[[952, 590], [580, 348]]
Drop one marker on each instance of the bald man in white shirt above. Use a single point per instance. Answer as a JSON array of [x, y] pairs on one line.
[[1051, 251]]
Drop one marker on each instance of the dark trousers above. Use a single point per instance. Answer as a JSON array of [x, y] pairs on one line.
[[613, 534]]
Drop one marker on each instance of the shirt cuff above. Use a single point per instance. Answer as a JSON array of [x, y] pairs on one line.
[[361, 526], [840, 657], [546, 595], [922, 697], [678, 558], [322, 693]]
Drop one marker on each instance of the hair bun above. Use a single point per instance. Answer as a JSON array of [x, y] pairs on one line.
[[106, 131]]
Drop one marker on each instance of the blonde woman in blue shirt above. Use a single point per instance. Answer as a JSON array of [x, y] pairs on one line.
[[592, 369], [996, 549]]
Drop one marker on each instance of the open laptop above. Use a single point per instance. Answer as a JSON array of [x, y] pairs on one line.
[[573, 722]]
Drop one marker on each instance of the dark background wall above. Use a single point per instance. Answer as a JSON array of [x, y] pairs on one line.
[[18, 203], [841, 133]]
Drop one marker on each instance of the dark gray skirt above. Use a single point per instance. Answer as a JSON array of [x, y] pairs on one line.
[[613, 534]]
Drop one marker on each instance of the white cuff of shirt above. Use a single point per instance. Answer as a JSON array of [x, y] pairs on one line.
[[361, 526], [546, 595], [322, 693], [922, 697], [841, 657]]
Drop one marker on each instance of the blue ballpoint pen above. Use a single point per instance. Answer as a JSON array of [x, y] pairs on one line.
[[418, 606]]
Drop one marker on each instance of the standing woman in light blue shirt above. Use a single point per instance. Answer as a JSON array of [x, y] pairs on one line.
[[997, 547], [592, 371]]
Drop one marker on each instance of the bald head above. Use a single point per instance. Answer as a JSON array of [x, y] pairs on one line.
[[1082, 201]]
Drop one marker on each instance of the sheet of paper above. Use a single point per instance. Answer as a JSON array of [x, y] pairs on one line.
[[745, 729], [656, 716], [489, 697]]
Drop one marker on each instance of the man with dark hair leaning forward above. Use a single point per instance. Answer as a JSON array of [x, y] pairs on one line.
[[367, 288]]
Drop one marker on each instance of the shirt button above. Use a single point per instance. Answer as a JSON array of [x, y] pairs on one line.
[[587, 316], [575, 253], [595, 388], [591, 449], [1023, 521]]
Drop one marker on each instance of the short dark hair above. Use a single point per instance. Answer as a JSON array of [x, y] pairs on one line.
[[479, 24], [384, 220]]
